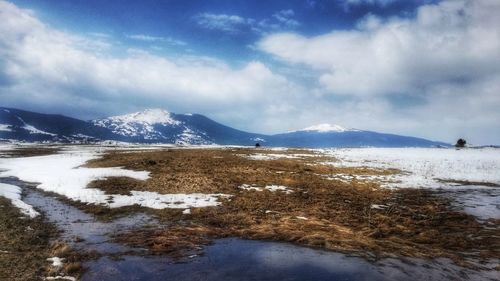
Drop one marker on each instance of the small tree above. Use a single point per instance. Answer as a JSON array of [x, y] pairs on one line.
[[257, 145], [460, 143]]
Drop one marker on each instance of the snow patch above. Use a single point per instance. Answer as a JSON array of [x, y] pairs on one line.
[[34, 130], [5, 128], [189, 136], [272, 188], [70, 278], [56, 261], [325, 128], [63, 174], [259, 139], [262, 156], [13, 193]]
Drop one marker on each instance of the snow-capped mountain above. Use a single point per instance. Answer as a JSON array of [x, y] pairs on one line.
[[326, 128], [329, 135], [160, 126], [150, 124], [157, 125]]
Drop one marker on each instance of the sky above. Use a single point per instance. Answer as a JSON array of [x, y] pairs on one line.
[[422, 68]]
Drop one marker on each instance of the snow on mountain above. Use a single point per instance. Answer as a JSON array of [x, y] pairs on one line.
[[188, 136], [140, 123], [32, 130], [154, 125], [160, 126], [149, 116], [325, 128], [5, 127]]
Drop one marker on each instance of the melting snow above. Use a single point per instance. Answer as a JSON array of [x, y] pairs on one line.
[[56, 262], [272, 188], [63, 174], [13, 193], [423, 167], [262, 156], [60, 278]]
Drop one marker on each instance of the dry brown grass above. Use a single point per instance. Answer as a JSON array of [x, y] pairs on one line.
[[340, 216], [29, 151], [24, 244]]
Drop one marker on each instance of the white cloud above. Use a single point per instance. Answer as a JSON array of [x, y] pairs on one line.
[[378, 2], [45, 67], [452, 41], [285, 17], [223, 22], [447, 56], [280, 20], [149, 38]]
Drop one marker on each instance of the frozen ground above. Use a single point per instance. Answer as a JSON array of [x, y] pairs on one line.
[[426, 167], [63, 174], [468, 175]]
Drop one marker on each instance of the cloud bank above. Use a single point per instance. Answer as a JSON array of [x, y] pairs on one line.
[[435, 74], [447, 56], [41, 67]]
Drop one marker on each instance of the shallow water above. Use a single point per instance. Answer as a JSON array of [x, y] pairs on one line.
[[234, 259], [479, 201], [225, 259], [74, 223]]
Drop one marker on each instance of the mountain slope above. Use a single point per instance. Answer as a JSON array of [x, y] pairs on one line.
[[156, 125], [30, 126], [349, 138], [160, 126]]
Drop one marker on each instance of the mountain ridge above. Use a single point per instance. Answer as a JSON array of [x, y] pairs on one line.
[[161, 126]]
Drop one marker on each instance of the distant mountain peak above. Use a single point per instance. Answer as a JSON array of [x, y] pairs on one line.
[[139, 124], [149, 116], [161, 126], [325, 128]]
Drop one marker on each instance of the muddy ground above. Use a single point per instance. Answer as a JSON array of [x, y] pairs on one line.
[[25, 245], [357, 217]]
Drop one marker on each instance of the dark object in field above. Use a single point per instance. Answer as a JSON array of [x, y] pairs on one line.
[[151, 162], [460, 143], [257, 145]]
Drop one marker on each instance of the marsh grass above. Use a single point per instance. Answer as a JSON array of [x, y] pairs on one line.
[[322, 213]]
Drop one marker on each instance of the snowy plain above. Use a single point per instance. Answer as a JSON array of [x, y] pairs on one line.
[[63, 174], [470, 177], [424, 167]]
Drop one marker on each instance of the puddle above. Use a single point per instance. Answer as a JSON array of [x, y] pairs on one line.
[[91, 234], [227, 259], [479, 201], [242, 260]]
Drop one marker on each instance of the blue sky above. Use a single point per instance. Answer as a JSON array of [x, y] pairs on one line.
[[422, 68]]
